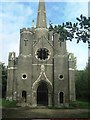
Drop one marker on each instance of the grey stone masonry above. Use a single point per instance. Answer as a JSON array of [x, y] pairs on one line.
[[42, 74]]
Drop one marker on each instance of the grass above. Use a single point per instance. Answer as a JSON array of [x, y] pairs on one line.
[[75, 104], [6, 103], [0, 102], [79, 104], [79, 115]]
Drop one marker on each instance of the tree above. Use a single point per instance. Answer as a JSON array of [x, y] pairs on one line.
[[4, 80], [82, 84], [68, 31]]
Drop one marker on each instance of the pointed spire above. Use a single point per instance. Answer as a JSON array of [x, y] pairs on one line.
[[41, 18]]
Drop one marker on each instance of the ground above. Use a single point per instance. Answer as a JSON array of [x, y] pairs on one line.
[[26, 112]]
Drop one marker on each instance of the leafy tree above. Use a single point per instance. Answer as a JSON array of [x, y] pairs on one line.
[[68, 31], [82, 84], [4, 80]]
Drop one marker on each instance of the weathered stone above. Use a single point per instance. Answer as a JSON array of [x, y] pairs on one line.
[[42, 74]]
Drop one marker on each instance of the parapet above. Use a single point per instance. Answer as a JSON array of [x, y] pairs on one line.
[[12, 56], [71, 57], [72, 61], [25, 30]]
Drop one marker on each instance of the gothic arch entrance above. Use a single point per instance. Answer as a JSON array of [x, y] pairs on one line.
[[42, 94], [43, 98]]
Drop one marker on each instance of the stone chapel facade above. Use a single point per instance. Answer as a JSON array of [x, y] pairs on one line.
[[43, 73]]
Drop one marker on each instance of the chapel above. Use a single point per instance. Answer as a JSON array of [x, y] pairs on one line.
[[44, 72]]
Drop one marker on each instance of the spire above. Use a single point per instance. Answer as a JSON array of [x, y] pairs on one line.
[[41, 18]]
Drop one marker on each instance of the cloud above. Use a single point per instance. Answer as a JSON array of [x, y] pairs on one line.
[[10, 43], [80, 51], [13, 17], [16, 9], [15, 14], [74, 10], [63, 12]]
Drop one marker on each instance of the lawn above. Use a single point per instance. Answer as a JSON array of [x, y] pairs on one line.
[[6, 103], [80, 104], [75, 104], [76, 109], [0, 102], [26, 112]]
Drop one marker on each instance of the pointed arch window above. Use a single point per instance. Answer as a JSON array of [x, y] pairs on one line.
[[61, 97], [24, 96]]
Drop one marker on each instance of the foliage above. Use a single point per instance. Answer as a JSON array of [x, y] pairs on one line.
[[4, 80], [79, 104], [0, 102], [79, 30], [82, 84], [6, 103]]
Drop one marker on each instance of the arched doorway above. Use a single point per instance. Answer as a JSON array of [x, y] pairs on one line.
[[42, 94]]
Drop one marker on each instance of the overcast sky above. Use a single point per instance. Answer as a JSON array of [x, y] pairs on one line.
[[19, 13]]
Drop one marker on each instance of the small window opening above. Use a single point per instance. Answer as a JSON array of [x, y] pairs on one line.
[[61, 76], [24, 76], [24, 96], [61, 97]]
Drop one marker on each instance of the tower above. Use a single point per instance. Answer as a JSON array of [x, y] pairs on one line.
[[40, 74]]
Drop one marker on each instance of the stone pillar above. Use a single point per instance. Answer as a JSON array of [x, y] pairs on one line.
[[72, 77], [34, 99], [28, 98], [49, 99], [11, 76]]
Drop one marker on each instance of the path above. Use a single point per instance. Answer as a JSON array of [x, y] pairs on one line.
[[26, 112]]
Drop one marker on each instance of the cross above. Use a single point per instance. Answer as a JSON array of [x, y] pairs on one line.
[[25, 41]]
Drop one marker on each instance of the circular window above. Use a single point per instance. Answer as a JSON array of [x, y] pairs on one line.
[[61, 77], [24, 76], [42, 54]]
